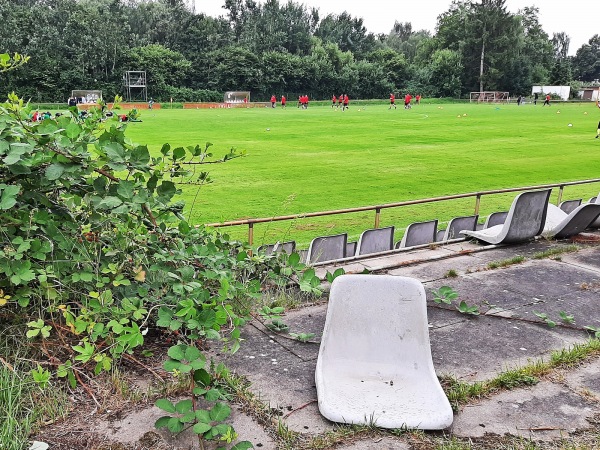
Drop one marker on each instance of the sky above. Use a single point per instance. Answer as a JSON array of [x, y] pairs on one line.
[[577, 18]]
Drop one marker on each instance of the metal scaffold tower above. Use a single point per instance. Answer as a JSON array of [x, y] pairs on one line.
[[135, 86]]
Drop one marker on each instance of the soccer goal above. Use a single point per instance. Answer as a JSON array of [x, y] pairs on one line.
[[236, 97], [86, 97], [489, 97]]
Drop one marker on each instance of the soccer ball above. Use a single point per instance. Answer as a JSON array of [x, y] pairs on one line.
[[570, 125]]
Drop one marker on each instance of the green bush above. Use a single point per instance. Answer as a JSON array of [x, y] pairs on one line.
[[94, 246]]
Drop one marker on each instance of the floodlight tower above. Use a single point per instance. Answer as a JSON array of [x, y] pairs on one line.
[[135, 86]]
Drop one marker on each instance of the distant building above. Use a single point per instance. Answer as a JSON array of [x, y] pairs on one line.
[[591, 93]]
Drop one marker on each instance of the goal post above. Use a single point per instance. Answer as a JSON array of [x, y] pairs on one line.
[[86, 96], [489, 97], [236, 97]]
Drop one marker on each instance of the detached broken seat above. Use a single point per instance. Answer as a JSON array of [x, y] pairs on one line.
[[374, 365]]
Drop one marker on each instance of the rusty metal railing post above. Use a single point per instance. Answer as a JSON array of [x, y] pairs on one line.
[[377, 217], [477, 203], [560, 193]]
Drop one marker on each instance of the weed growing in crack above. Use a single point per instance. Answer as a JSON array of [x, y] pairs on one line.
[[553, 252], [206, 423], [446, 294], [506, 262], [546, 319]]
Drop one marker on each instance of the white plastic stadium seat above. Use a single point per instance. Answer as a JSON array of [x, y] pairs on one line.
[[525, 220], [561, 225], [374, 364]]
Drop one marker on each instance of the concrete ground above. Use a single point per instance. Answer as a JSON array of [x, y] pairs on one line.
[[279, 405]]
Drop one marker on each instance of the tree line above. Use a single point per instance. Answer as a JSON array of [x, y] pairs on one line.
[[276, 48]]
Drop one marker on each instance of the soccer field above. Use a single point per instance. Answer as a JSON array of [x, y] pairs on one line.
[[318, 159]]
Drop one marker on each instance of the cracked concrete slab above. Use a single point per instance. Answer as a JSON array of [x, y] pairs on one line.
[[282, 371], [137, 428], [543, 412], [587, 258], [398, 259], [585, 381], [482, 347], [379, 443], [436, 270], [532, 278]]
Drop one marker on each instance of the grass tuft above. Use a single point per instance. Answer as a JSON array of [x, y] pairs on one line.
[[554, 252], [506, 262]]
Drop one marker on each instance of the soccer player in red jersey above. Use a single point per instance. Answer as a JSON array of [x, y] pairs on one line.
[[392, 101]]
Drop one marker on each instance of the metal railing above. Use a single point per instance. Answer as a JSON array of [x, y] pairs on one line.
[[378, 208]]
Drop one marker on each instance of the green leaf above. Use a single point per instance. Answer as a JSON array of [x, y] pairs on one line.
[[54, 171], [73, 130], [188, 417], [171, 364], [177, 352], [9, 196], [220, 412], [165, 149], [165, 405], [85, 353], [32, 333], [126, 189], [166, 190], [184, 227], [115, 152], [162, 422], [192, 353], [213, 395], [244, 445], [179, 153], [201, 428], [183, 406], [86, 276], [202, 377], [140, 157], [109, 203], [203, 416], [174, 425], [294, 259]]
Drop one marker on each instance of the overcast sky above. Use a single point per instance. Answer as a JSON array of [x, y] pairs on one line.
[[577, 18]]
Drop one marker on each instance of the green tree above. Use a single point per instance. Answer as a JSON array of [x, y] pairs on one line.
[[404, 40], [586, 63], [394, 65], [234, 68], [347, 32], [561, 73], [537, 54], [487, 37], [446, 69]]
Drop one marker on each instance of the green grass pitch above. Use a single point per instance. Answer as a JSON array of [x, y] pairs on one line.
[[319, 159]]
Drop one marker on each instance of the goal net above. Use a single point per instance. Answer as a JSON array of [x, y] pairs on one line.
[[237, 97], [86, 96], [489, 97]]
